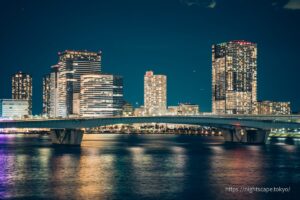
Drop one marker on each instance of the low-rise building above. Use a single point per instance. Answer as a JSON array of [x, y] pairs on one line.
[[127, 110], [13, 108], [172, 110], [139, 111], [272, 108], [188, 109], [184, 109]]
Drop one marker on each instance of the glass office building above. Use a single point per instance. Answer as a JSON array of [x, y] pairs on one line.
[[101, 95], [72, 65]]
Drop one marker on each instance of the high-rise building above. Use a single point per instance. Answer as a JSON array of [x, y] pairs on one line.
[[22, 88], [54, 97], [13, 109], [101, 95], [272, 108], [155, 94], [46, 94], [74, 64], [234, 81]]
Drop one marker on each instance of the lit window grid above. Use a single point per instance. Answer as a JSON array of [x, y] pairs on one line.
[[234, 71], [22, 88], [101, 95], [13, 109], [155, 94], [74, 64]]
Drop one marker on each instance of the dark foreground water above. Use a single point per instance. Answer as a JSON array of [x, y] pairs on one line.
[[147, 167]]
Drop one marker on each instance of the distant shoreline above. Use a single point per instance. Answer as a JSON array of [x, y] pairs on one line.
[[112, 133]]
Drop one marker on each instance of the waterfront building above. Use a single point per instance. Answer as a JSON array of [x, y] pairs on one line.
[[72, 65], [14, 108], [139, 111], [155, 94], [172, 110], [272, 108], [46, 94], [184, 109], [101, 95], [127, 110], [188, 109], [54, 95], [234, 81], [22, 88]]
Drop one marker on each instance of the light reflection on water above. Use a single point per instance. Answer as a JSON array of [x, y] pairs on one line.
[[144, 167], [95, 170]]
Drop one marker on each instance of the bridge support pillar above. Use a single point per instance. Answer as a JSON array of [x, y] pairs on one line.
[[247, 136], [66, 136]]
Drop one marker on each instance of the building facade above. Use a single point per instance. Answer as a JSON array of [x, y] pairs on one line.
[[234, 77], [46, 94], [72, 65], [101, 95], [172, 110], [188, 109], [140, 111], [184, 109], [272, 108], [127, 110], [22, 88], [54, 97], [14, 109], [155, 94]]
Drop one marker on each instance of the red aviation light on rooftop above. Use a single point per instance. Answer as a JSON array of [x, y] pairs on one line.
[[149, 73]]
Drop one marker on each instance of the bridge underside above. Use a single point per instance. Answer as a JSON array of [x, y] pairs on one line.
[[237, 135], [247, 136], [66, 136]]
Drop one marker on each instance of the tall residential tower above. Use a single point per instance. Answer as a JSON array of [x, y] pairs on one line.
[[46, 94], [155, 94], [234, 81], [22, 88], [54, 100]]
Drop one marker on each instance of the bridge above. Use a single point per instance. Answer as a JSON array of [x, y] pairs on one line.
[[235, 128]]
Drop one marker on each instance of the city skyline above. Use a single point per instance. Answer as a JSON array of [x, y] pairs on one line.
[[176, 41], [150, 99], [84, 59]]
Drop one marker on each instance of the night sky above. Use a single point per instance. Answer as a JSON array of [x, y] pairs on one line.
[[171, 37]]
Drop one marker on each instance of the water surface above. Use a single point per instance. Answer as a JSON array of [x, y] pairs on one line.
[[146, 167]]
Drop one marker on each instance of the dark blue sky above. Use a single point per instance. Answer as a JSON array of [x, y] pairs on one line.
[[171, 37]]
